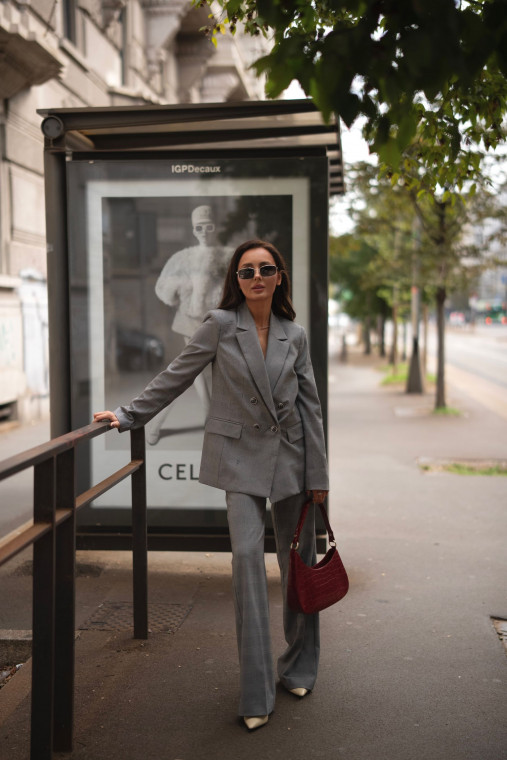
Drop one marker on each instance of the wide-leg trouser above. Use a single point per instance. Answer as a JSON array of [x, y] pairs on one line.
[[297, 666]]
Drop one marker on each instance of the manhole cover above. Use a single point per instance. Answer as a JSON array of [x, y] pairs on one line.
[[119, 616]]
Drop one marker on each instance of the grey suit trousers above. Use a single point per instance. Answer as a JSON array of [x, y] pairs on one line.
[[297, 666]]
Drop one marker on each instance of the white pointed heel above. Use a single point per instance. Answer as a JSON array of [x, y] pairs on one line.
[[299, 692], [256, 721]]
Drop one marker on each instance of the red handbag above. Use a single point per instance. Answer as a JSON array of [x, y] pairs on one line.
[[311, 589]]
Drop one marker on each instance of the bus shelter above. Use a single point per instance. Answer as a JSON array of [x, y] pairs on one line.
[[144, 207]]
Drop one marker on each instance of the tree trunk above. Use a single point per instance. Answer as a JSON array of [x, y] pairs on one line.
[[425, 339], [343, 352], [367, 335], [394, 347], [415, 382], [404, 351], [381, 326], [440, 402]]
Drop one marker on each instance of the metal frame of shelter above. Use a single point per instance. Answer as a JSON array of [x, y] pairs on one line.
[[281, 129]]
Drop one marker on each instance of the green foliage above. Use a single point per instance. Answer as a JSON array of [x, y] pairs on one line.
[[447, 411], [349, 260], [462, 469], [374, 262], [465, 468], [435, 70], [403, 236], [400, 376]]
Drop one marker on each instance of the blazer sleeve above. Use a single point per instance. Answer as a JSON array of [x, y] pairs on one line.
[[170, 281], [175, 379], [307, 401]]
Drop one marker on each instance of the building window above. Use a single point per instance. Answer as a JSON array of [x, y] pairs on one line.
[[124, 45], [69, 20]]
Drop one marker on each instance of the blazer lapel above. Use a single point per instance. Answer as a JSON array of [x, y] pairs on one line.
[[251, 349], [278, 348]]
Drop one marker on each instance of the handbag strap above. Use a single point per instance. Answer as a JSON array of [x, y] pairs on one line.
[[302, 518]]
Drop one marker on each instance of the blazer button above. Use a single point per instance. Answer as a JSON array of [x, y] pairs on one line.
[[280, 404], [274, 429], [254, 400], [257, 426]]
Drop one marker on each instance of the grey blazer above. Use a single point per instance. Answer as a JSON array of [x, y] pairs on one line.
[[264, 434]]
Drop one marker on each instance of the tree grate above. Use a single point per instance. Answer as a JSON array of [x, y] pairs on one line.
[[119, 616]]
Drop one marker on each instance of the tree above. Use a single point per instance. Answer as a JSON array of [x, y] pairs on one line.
[[429, 78], [384, 220], [436, 68], [349, 259], [448, 259]]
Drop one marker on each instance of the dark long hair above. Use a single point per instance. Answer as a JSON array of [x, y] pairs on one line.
[[232, 297]]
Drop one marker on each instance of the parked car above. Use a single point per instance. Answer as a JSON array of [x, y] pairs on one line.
[[137, 350]]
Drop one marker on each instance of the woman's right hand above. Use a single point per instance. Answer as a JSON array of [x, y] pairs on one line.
[[111, 416]]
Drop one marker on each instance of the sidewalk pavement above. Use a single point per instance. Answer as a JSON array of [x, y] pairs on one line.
[[16, 493], [411, 666]]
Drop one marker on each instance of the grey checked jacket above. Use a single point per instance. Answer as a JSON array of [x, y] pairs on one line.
[[264, 434]]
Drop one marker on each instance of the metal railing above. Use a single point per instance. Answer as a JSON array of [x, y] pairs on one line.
[[53, 535]]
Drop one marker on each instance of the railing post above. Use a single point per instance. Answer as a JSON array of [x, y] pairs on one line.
[[65, 601], [43, 612], [139, 536], [54, 539]]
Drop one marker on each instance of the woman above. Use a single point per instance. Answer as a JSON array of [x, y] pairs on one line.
[[263, 439]]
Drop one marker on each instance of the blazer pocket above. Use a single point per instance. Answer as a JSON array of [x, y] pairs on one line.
[[224, 427], [295, 432]]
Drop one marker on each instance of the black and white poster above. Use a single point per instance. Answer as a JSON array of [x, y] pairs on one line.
[[150, 247]]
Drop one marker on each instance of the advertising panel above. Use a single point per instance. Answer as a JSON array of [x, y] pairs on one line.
[[150, 242]]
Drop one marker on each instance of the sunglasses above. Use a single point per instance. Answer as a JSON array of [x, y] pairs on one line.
[[266, 270], [204, 227]]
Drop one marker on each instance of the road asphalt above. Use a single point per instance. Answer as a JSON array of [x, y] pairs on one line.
[[411, 665]]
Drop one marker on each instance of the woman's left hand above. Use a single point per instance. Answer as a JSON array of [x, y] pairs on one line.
[[107, 415], [318, 496]]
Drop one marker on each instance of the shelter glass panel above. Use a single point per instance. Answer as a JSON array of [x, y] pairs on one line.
[[149, 245]]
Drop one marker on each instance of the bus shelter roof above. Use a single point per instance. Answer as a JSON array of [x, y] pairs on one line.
[[283, 127]]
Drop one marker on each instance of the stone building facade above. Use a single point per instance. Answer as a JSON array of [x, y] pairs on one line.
[[74, 53]]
